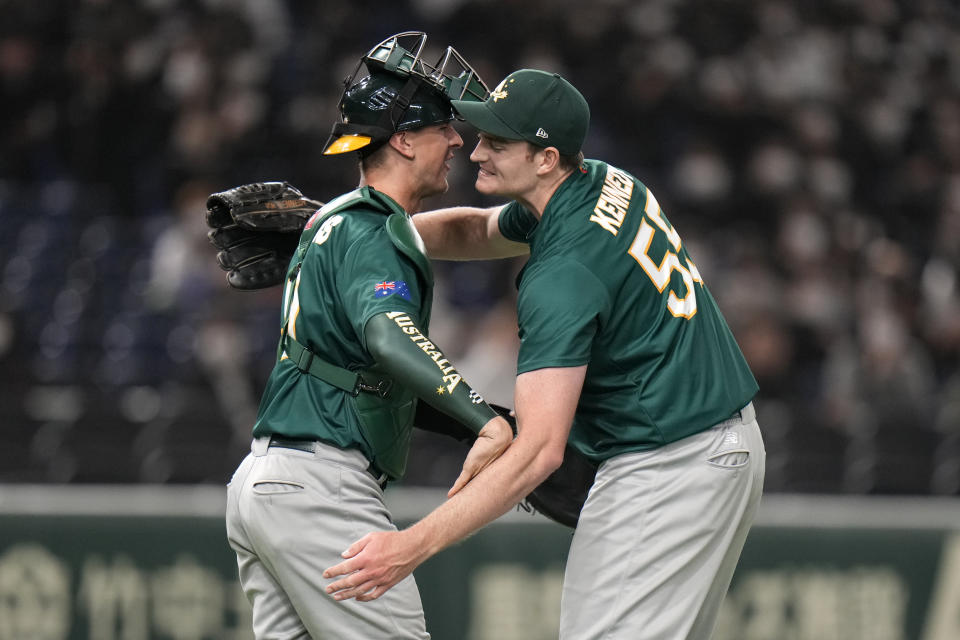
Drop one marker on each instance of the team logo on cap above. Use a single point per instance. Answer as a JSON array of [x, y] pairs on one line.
[[500, 93]]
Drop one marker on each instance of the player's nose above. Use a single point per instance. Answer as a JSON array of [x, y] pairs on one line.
[[454, 138]]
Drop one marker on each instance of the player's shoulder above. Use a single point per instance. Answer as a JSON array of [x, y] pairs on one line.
[[561, 273], [590, 182], [595, 175], [561, 288], [561, 265], [366, 207], [365, 220], [353, 214], [353, 231], [601, 199]]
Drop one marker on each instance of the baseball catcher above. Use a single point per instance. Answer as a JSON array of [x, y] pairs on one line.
[[336, 416]]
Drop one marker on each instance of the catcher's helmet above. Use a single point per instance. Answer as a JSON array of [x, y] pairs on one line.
[[401, 92]]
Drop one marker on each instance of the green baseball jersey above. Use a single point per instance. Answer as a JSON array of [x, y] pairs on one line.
[[609, 284], [351, 272]]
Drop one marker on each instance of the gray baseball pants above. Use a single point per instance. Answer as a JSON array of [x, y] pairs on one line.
[[661, 534], [290, 514]]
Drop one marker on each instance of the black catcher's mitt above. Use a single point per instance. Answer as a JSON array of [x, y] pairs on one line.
[[560, 497], [256, 228]]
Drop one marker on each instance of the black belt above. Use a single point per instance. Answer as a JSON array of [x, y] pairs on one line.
[[309, 446], [290, 443]]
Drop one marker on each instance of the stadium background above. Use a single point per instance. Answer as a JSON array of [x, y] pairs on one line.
[[808, 152]]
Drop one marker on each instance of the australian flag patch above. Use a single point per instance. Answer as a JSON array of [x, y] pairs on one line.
[[390, 287]]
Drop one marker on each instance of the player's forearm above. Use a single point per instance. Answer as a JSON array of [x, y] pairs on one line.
[[400, 348], [546, 403], [465, 233], [489, 495]]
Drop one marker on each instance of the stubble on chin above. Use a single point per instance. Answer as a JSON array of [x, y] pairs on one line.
[[484, 186]]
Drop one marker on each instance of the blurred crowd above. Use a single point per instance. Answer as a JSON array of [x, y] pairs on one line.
[[808, 153]]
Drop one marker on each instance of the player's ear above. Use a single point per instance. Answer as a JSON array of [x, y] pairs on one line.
[[403, 144], [546, 160]]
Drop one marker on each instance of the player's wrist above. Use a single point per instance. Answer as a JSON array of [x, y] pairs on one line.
[[420, 544], [497, 429]]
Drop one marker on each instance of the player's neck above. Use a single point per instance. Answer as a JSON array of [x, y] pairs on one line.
[[393, 185], [537, 199]]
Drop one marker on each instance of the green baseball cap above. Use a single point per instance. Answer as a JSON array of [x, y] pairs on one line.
[[539, 107]]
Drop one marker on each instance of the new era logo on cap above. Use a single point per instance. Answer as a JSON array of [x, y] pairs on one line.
[[541, 133]]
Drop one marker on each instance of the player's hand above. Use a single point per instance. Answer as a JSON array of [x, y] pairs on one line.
[[374, 564], [491, 442]]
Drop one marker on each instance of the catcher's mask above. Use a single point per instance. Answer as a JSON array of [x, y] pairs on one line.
[[401, 92]]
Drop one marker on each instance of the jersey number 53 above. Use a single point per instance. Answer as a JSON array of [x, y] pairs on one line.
[[660, 274]]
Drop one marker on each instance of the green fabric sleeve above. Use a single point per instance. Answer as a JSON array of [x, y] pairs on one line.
[[516, 223], [401, 349], [560, 309]]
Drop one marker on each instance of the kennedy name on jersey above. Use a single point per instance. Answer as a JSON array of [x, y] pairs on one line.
[[450, 375], [614, 200]]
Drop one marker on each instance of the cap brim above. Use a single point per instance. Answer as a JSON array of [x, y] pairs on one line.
[[481, 117], [346, 143]]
